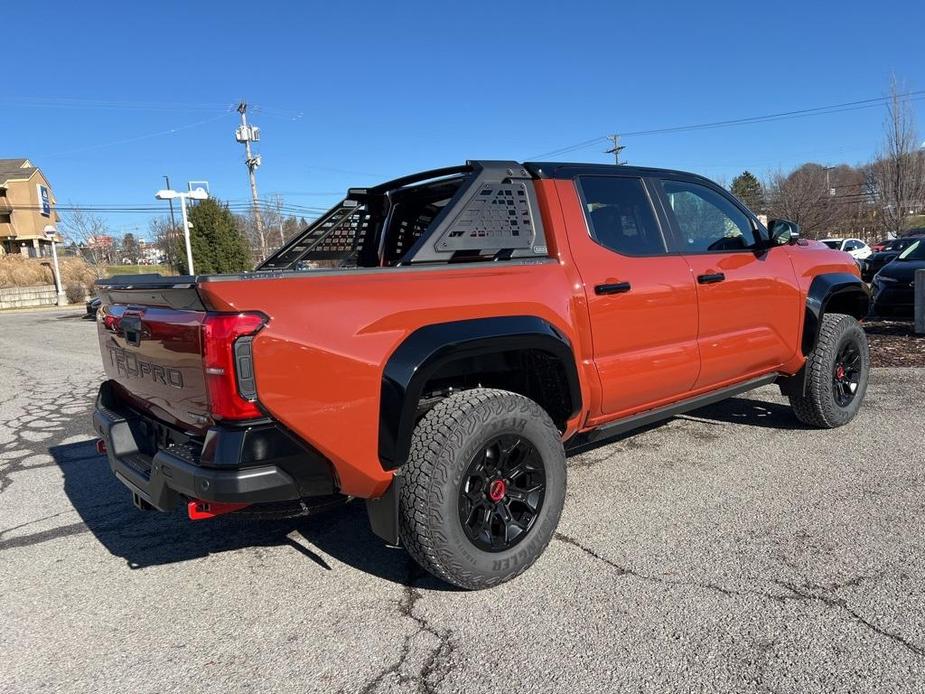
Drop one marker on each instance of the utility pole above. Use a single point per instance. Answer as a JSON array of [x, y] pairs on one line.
[[616, 149], [173, 222], [246, 134], [279, 218]]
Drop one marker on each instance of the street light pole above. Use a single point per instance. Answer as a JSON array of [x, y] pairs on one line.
[[189, 249], [50, 232], [197, 194]]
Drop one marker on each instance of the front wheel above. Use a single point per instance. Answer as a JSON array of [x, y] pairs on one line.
[[483, 487], [836, 374]]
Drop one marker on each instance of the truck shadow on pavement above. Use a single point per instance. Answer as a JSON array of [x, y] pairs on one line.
[[147, 539], [756, 413]]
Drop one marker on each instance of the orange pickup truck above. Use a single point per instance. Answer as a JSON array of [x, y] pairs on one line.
[[436, 345]]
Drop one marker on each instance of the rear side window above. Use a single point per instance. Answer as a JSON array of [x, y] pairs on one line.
[[708, 222], [853, 245], [620, 215]]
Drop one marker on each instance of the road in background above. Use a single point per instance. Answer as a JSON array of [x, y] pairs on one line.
[[730, 550]]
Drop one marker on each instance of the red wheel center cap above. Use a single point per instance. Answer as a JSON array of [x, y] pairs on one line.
[[840, 372], [497, 490]]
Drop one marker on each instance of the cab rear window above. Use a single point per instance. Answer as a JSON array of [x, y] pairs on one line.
[[620, 216]]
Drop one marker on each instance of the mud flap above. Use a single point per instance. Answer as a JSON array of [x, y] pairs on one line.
[[383, 513]]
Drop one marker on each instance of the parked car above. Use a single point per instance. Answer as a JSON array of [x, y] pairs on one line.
[[484, 321], [854, 247], [894, 286], [871, 265], [93, 305]]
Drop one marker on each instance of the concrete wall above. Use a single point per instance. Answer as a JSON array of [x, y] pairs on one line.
[[25, 297]]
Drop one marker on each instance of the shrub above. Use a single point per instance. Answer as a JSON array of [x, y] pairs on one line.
[[77, 271], [16, 270], [75, 293]]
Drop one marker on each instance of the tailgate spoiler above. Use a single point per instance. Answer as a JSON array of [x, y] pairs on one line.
[[177, 292]]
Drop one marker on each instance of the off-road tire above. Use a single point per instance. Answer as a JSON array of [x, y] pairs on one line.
[[818, 407], [444, 443]]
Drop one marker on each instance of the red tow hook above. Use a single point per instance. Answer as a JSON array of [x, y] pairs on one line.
[[201, 510], [101, 446]]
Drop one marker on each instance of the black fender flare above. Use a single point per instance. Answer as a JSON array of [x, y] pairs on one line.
[[853, 298], [430, 347], [848, 289]]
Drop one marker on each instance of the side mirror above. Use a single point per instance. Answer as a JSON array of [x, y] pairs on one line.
[[783, 231]]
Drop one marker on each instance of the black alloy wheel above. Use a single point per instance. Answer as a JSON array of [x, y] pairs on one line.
[[846, 374], [502, 493]]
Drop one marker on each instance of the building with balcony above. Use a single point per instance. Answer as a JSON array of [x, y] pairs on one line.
[[26, 208]]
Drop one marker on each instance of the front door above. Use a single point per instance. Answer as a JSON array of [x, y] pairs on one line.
[[749, 303], [642, 301]]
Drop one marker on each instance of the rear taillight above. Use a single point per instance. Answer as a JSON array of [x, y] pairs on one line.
[[228, 364]]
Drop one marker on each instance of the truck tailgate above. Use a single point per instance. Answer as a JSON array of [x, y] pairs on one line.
[[155, 354]]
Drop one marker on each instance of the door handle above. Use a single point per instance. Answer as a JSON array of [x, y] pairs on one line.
[[616, 288], [711, 278]]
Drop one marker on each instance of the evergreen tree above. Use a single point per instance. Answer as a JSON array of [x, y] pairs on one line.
[[218, 245], [748, 189]]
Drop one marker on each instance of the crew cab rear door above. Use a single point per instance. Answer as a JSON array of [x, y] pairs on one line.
[[748, 299], [642, 300]]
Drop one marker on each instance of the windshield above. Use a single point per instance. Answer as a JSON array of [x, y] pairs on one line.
[[897, 244], [834, 245], [915, 252]]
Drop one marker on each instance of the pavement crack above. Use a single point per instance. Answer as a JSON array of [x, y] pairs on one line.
[[805, 592], [625, 571], [817, 594], [438, 662]]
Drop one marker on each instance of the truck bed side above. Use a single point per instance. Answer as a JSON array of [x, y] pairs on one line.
[[319, 362]]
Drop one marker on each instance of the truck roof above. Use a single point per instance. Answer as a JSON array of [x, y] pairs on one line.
[[560, 169]]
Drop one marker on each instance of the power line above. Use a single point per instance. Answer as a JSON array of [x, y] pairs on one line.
[[769, 117], [169, 131], [786, 115], [108, 104]]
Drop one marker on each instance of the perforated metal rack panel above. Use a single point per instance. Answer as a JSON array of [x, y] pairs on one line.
[[337, 235], [497, 216]]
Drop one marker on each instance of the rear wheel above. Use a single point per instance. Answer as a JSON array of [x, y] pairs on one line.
[[483, 487], [836, 374]]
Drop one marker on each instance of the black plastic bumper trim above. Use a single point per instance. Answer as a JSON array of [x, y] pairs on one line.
[[250, 465]]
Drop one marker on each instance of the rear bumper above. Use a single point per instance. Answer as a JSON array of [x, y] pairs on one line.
[[252, 464]]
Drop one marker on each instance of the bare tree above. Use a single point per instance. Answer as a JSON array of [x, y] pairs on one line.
[[167, 239], [898, 174], [277, 227], [90, 235], [802, 197]]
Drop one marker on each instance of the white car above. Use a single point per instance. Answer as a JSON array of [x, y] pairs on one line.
[[854, 247]]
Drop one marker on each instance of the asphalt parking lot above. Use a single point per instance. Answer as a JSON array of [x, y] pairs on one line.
[[726, 551]]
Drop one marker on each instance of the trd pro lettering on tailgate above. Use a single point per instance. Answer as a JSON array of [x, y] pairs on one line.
[[128, 364]]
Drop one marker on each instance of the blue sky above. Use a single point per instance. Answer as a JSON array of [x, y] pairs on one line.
[[107, 98]]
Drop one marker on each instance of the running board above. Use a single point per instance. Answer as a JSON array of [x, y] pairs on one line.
[[606, 432]]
